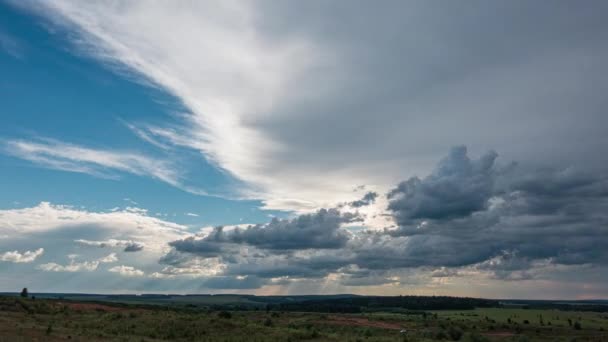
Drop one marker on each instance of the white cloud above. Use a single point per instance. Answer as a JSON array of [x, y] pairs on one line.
[[97, 162], [231, 75], [127, 271], [73, 266], [109, 258], [128, 245], [17, 257], [124, 226], [192, 214]]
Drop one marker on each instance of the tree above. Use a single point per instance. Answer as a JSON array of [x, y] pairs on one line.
[[24, 292]]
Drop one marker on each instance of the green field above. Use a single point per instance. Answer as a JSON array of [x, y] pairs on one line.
[[62, 320]]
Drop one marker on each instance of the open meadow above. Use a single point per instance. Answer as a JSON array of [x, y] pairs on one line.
[[24, 319]]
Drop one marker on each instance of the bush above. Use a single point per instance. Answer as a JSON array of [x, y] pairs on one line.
[[268, 322], [441, 335], [577, 325], [455, 333], [224, 314]]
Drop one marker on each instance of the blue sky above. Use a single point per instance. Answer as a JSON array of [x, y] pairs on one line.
[[409, 147], [50, 90]]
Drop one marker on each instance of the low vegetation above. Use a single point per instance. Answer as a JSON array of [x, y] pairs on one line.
[[44, 319]]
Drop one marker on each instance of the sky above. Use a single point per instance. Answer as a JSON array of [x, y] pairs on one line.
[[318, 147]]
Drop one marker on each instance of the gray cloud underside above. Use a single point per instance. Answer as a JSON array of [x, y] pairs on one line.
[[319, 230]]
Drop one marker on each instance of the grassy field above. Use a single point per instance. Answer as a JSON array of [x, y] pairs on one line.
[[60, 320]]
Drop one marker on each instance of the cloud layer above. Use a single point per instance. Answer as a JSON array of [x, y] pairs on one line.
[[301, 107]]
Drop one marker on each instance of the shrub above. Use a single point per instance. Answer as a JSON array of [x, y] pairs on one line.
[[224, 314], [577, 325], [455, 333], [441, 335], [268, 322]]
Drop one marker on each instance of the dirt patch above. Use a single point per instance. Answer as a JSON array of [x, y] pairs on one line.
[[361, 322]]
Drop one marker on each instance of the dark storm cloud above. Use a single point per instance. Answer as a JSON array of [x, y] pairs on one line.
[[319, 230], [457, 218], [457, 188], [367, 199]]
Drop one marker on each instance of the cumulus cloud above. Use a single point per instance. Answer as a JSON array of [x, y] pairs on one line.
[[319, 230], [56, 227], [471, 212], [75, 266], [127, 245], [367, 199], [71, 267], [458, 187], [133, 223], [127, 271], [18, 257], [109, 258]]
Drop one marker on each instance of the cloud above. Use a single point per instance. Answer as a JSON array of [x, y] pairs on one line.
[[367, 199], [277, 95], [444, 272], [75, 266], [457, 188], [88, 266], [514, 215], [97, 162], [130, 222], [192, 214], [128, 245], [319, 230], [127, 271], [56, 227], [109, 258], [11, 45], [469, 216], [18, 257]]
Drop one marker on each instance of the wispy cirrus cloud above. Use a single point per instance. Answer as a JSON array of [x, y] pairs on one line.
[[59, 155], [103, 163]]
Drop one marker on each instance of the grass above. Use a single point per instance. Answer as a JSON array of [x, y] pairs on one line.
[[60, 320]]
